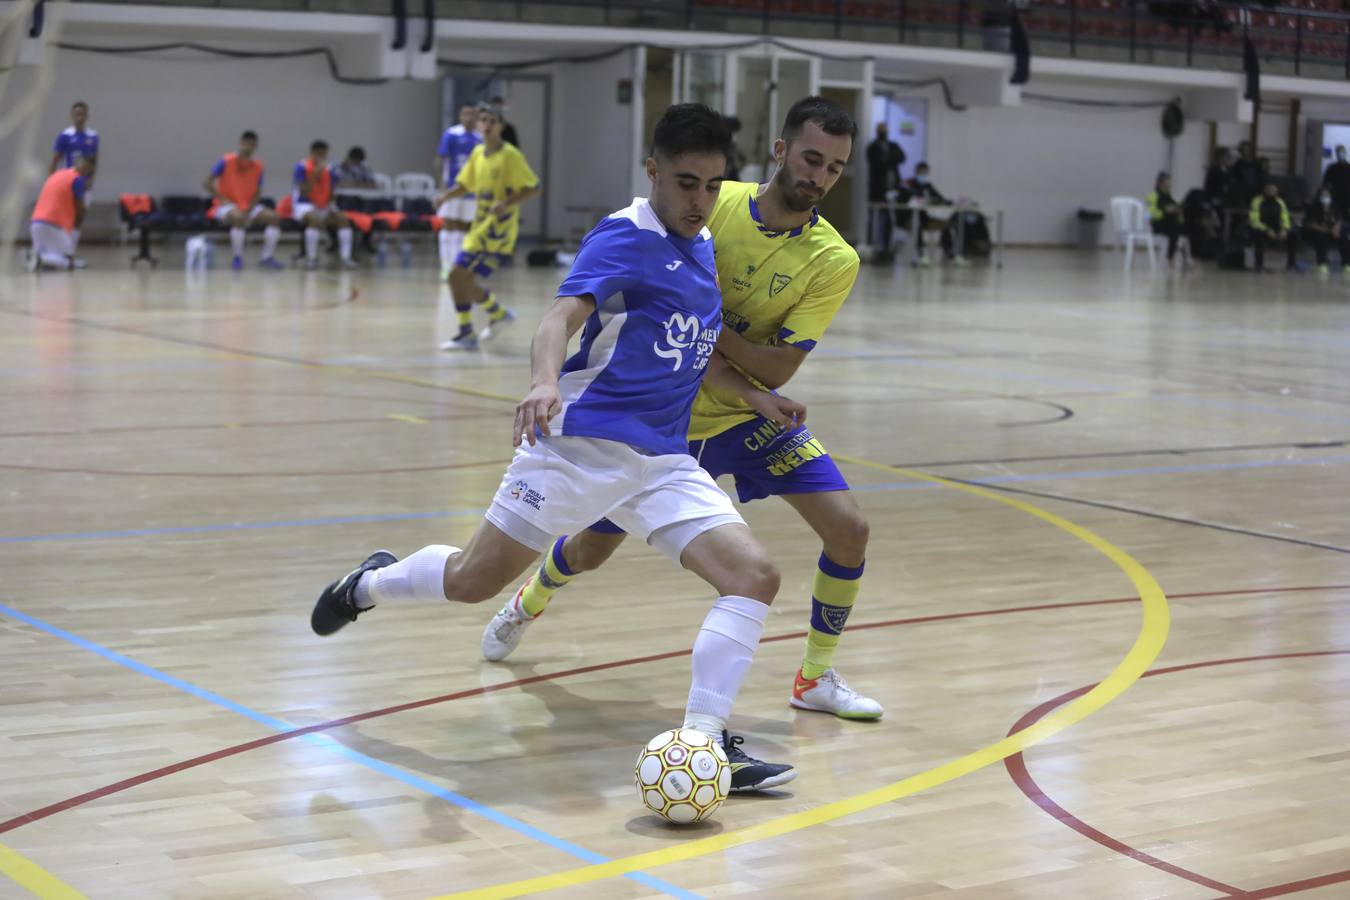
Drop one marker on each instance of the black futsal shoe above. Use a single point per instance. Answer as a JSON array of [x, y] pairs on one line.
[[750, 774], [337, 604]]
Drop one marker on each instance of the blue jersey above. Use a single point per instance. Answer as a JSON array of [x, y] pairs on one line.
[[456, 145], [76, 145], [646, 347]]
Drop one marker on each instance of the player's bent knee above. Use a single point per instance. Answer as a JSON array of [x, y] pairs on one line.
[[756, 577]]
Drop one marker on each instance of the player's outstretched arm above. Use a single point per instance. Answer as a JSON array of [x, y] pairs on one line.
[[547, 352], [771, 364], [782, 411]]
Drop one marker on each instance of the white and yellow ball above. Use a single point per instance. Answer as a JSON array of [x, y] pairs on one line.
[[683, 775]]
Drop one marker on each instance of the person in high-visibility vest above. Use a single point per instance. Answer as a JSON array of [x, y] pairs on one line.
[[235, 185], [311, 193], [59, 211]]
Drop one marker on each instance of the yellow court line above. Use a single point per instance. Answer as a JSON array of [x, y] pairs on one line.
[[33, 878], [1147, 645], [412, 420]]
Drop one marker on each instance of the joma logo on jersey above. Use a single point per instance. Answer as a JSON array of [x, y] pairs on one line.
[[683, 333], [521, 491]]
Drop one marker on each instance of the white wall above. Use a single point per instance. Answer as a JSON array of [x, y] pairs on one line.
[[1042, 162], [163, 121], [592, 147]]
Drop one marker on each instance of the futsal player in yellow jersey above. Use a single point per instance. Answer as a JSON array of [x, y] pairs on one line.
[[498, 174], [784, 273]]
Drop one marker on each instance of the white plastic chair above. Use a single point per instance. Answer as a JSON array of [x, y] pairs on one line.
[[414, 184], [1129, 218], [384, 183]]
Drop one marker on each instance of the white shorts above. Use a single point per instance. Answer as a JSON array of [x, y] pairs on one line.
[[54, 246], [461, 209], [563, 485], [223, 211], [301, 210]]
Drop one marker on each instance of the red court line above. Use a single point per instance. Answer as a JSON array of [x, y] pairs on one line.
[[135, 780], [1017, 770]]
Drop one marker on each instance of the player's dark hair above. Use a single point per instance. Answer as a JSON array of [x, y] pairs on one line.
[[830, 116], [485, 109], [357, 154], [921, 165], [691, 128], [249, 136], [317, 146], [80, 103]]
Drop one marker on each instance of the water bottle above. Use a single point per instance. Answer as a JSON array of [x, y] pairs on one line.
[[405, 253], [381, 253]]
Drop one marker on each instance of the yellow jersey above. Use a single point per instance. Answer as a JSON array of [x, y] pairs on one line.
[[494, 177], [778, 287]]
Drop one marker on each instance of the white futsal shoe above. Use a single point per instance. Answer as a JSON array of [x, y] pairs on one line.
[[506, 629], [830, 693]]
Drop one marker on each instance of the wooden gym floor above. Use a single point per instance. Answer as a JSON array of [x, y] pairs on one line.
[[185, 460]]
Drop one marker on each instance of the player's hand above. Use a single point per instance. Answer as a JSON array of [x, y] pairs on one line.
[[540, 404], [783, 411]]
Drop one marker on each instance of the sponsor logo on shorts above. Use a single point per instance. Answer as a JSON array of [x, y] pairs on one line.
[[799, 451], [521, 491]]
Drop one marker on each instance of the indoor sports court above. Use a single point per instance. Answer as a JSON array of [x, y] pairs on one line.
[[1108, 562]]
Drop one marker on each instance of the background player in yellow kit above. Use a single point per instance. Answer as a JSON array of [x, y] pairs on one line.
[[497, 173], [784, 273]]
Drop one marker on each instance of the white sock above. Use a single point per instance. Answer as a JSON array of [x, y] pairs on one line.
[[723, 650], [312, 243], [237, 241], [345, 242], [271, 234], [74, 240], [443, 241], [419, 577]]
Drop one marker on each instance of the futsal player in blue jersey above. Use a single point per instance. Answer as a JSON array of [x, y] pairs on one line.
[[456, 214], [604, 433], [75, 143]]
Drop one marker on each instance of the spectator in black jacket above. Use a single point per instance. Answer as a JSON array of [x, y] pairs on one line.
[[1218, 177], [884, 159], [1337, 182], [1246, 173], [920, 191], [1323, 224]]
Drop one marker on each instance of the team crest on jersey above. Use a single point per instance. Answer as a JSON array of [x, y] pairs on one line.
[[779, 282]]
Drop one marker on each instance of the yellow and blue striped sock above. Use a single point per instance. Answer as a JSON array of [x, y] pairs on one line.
[[553, 574], [465, 319], [494, 309], [832, 597]]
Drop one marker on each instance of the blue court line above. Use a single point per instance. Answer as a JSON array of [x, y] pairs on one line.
[[333, 745], [474, 512]]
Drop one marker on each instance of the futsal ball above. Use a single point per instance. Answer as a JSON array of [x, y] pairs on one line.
[[683, 775]]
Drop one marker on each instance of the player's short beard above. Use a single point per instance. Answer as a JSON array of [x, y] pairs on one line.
[[793, 199]]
